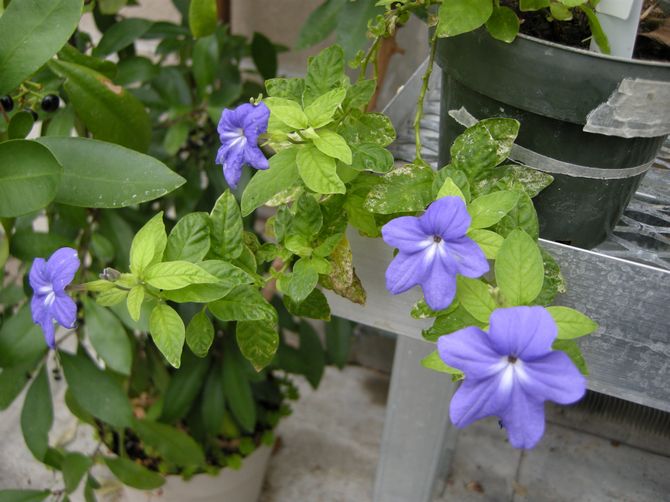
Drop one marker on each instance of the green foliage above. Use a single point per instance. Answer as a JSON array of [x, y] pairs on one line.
[[433, 362], [168, 333], [200, 334], [108, 337], [37, 415], [133, 474], [258, 341], [519, 269]]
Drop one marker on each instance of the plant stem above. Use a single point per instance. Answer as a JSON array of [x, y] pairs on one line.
[[422, 96]]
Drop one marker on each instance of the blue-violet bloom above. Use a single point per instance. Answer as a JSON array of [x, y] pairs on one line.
[[433, 248], [50, 302], [510, 372], [239, 130]]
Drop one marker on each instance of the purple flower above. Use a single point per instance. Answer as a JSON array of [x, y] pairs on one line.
[[510, 372], [239, 130], [50, 302], [433, 248]]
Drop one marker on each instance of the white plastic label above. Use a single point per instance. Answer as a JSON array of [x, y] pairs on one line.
[[615, 8]]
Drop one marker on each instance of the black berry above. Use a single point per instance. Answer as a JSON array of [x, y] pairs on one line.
[[7, 103], [50, 103]]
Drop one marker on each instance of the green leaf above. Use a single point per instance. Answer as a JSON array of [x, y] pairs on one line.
[[37, 415], [450, 189], [321, 111], [560, 12], [312, 354], [189, 239], [452, 320], [61, 124], [339, 333], [226, 227], [134, 302], [148, 245], [554, 282], [522, 216], [120, 35], [503, 24], [134, 474], [119, 177], [303, 280], [110, 112], [200, 334], [405, 189], [282, 175], [474, 296], [488, 241], [213, 407], [352, 26], [342, 278], [168, 332], [308, 218], [229, 276], [289, 88], [325, 71], [72, 55], [202, 17], [98, 392], [32, 32], [184, 387], [597, 31], [21, 340], [519, 269], [371, 157], [176, 137], [258, 341], [29, 177], [434, 362], [573, 351], [318, 171], [360, 94], [461, 16], [373, 128], [320, 23], [315, 306], [571, 323], [333, 145], [174, 445], [287, 111], [20, 125], [13, 380], [206, 57], [27, 244], [484, 145], [75, 466], [24, 495], [489, 209], [530, 5], [171, 275], [135, 69], [237, 389], [264, 54], [108, 337], [244, 303]]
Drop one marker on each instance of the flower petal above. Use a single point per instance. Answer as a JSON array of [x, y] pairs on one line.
[[232, 165], [446, 217], [49, 331], [231, 120], [254, 157], [405, 272], [477, 399], [64, 310], [469, 350], [38, 309], [523, 419], [524, 332], [439, 284], [470, 259], [39, 276], [255, 120], [552, 377], [406, 234], [61, 267]]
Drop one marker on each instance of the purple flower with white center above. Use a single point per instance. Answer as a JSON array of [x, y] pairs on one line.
[[239, 130], [433, 248], [50, 302], [510, 372]]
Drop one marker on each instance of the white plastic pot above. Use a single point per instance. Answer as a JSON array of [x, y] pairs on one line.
[[243, 485]]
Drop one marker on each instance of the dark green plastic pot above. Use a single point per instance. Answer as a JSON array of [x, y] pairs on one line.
[[551, 89]]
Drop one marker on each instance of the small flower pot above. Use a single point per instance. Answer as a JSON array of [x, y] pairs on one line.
[[552, 89], [243, 485]]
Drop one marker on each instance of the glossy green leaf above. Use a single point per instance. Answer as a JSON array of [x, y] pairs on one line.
[[571, 323], [324, 72], [32, 32], [308, 218], [318, 171], [530, 5], [189, 239], [573, 351], [488, 241], [519, 269], [282, 175], [407, 188], [258, 341], [288, 112], [315, 306], [434, 362], [200, 334], [289, 88], [27, 244], [244, 303], [134, 302], [450, 189], [168, 333], [109, 111], [98, 392], [24, 495], [29, 177], [120, 35], [71, 54], [237, 389], [173, 444], [148, 245], [453, 320], [503, 24], [333, 145], [321, 111], [373, 128], [171, 275], [202, 17], [135, 69], [37, 415], [475, 297], [108, 337], [489, 209], [264, 54], [75, 466], [21, 340], [226, 227], [62, 123], [13, 380], [597, 31], [302, 281], [133, 474], [371, 157], [522, 216], [229, 276], [20, 125], [461, 16]]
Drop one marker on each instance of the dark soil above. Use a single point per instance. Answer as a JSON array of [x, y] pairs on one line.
[[576, 33]]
